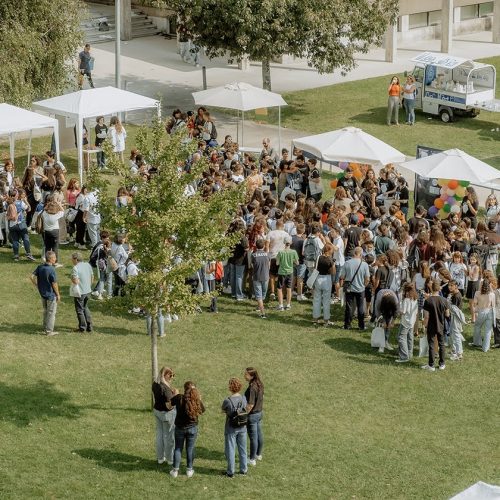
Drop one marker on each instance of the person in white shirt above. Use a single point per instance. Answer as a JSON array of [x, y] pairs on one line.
[[275, 242], [93, 218], [339, 259], [117, 135], [50, 216], [83, 276]]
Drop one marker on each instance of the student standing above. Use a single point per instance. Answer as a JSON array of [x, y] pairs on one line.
[[285, 261], [409, 312], [394, 92], [163, 392], [255, 400], [234, 436], [484, 307], [323, 286], [435, 310], [85, 66], [189, 407], [82, 276], [260, 274], [44, 278], [101, 132]]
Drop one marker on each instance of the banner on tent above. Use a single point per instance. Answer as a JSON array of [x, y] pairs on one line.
[[438, 196]]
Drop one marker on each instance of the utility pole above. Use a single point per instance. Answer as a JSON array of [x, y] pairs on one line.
[[118, 76]]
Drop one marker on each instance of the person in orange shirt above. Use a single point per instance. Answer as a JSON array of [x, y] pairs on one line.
[[394, 91]]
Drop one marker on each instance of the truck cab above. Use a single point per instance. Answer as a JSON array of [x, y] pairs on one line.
[[449, 86]]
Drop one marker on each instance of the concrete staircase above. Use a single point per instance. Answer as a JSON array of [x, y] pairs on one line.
[[141, 24]]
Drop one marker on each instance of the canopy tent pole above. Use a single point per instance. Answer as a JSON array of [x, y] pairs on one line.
[[11, 146], [79, 145], [242, 125], [238, 127], [56, 140], [29, 147], [279, 129]]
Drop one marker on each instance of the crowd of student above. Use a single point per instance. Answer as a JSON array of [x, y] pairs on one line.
[[177, 416]]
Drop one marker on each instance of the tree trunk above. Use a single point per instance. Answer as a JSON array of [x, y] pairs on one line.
[[154, 351], [266, 74]]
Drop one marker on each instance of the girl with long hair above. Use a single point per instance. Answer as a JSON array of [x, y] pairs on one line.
[[470, 206], [484, 307], [255, 400], [409, 311], [117, 134], [189, 407], [163, 392], [473, 281]]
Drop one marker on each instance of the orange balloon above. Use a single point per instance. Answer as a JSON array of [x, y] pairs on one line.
[[357, 174], [439, 203], [333, 183], [453, 184]]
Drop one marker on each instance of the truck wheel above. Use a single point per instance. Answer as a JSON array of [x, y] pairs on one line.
[[446, 115]]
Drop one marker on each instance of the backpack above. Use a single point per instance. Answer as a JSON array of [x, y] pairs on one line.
[[414, 257], [394, 279], [311, 249], [239, 416], [213, 133], [94, 255], [219, 271], [12, 212]]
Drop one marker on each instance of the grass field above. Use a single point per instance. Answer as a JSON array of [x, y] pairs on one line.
[[341, 421]]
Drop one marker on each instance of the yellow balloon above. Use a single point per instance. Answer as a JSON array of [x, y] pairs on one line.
[[442, 214], [443, 182], [460, 191]]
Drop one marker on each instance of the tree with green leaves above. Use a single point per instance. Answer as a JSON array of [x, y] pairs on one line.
[[38, 40], [328, 33], [172, 230]]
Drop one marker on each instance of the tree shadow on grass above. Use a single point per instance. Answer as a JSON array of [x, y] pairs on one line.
[[124, 462], [207, 454], [36, 329], [349, 345], [23, 405]]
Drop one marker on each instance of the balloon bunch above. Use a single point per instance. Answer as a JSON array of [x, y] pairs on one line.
[[357, 172], [451, 194]]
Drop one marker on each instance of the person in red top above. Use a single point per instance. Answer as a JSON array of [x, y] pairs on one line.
[[394, 91]]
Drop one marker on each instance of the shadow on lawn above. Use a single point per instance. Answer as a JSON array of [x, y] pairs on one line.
[[123, 462], [36, 329], [22, 405]]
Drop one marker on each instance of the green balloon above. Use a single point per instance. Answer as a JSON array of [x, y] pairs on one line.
[[464, 183], [340, 175], [447, 208], [458, 198]]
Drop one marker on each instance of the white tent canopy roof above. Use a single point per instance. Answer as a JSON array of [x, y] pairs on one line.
[[240, 96], [453, 164], [94, 102], [350, 144], [479, 491], [14, 119]]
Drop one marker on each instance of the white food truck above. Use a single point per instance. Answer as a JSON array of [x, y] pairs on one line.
[[452, 86]]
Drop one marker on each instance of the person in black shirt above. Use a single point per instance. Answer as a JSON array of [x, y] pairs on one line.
[[101, 132], [165, 418], [417, 220], [348, 182], [189, 407], [403, 195], [255, 399], [352, 236], [435, 311], [323, 285], [470, 206]]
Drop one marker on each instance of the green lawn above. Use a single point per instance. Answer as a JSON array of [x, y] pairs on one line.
[[341, 421]]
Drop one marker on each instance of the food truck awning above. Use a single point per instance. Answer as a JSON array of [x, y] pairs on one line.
[[442, 60]]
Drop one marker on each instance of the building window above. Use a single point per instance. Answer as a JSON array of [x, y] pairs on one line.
[[469, 12], [418, 20], [485, 9], [435, 17]]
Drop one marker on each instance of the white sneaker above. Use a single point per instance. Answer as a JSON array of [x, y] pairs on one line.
[[280, 308], [190, 472], [389, 346], [252, 462], [175, 317], [226, 290], [442, 367], [381, 350], [428, 368], [174, 472], [100, 297], [162, 460], [95, 294], [168, 318], [259, 457], [272, 296]]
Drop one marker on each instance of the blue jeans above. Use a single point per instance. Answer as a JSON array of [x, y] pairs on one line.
[[237, 273], [101, 159], [233, 438], [165, 436], [405, 342], [187, 434], [160, 321], [17, 233], [103, 277], [410, 110], [484, 321], [254, 428], [322, 296]]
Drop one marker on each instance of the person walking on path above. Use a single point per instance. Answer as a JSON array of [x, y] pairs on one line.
[[163, 392], [394, 91], [435, 310], [85, 66], [355, 275], [45, 279], [82, 276], [234, 436], [189, 407]]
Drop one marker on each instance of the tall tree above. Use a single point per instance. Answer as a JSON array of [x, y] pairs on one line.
[[327, 33], [172, 233], [38, 40]]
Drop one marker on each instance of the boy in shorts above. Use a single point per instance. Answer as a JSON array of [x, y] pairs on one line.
[[285, 260]]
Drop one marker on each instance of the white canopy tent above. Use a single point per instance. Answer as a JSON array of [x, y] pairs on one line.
[[90, 103], [242, 97], [479, 491], [14, 120], [454, 164], [349, 144]]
